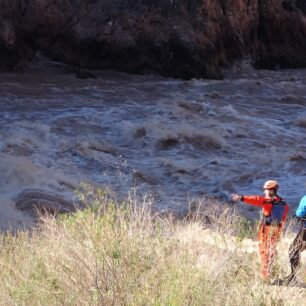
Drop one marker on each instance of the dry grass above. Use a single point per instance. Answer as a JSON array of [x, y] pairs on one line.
[[125, 254]]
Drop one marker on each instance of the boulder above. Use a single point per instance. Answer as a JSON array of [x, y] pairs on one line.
[[39, 201]]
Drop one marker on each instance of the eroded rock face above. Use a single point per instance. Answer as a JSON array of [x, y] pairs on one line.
[[281, 34], [180, 38], [36, 201]]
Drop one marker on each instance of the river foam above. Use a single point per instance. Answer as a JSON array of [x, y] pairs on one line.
[[173, 139]]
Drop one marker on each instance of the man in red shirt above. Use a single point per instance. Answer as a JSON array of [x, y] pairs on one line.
[[274, 213]]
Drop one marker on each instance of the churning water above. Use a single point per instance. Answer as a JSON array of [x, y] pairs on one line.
[[174, 140]]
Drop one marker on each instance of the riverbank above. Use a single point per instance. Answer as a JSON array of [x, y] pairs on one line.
[[125, 254]]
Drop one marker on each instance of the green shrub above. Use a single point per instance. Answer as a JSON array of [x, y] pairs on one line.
[[123, 254]]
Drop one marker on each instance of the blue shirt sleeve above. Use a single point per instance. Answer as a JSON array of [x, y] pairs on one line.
[[301, 211]]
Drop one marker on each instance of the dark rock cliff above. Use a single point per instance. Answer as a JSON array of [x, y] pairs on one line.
[[179, 38]]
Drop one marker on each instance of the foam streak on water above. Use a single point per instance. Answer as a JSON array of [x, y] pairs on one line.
[[173, 139]]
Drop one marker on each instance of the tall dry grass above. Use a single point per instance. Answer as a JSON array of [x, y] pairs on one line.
[[111, 254]]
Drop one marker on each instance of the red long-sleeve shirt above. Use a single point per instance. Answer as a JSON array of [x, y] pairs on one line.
[[266, 204]]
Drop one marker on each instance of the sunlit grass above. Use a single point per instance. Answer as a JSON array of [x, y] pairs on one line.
[[125, 254]]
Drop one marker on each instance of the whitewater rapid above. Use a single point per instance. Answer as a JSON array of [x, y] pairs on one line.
[[173, 140]]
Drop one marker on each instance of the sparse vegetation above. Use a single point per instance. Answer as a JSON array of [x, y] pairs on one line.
[[111, 254]]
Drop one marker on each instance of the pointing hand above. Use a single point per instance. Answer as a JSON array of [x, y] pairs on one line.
[[236, 197]]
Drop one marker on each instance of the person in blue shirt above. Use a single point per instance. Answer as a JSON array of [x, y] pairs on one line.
[[299, 243]]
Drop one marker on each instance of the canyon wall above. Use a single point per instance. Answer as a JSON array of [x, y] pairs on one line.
[[177, 38]]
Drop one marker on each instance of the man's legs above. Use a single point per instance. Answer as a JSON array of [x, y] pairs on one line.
[[264, 264], [263, 238], [268, 237], [296, 248]]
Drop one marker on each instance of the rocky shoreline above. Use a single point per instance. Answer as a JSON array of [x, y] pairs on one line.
[[177, 38]]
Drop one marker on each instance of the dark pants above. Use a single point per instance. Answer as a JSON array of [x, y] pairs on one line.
[[296, 248]]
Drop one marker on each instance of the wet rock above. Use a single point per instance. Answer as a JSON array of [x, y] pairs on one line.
[[191, 106], [140, 133], [167, 143], [203, 142], [139, 176], [183, 39], [215, 95], [68, 185], [36, 201], [298, 157], [18, 149], [88, 150], [214, 162]]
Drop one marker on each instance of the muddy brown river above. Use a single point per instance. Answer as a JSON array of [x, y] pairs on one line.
[[170, 139]]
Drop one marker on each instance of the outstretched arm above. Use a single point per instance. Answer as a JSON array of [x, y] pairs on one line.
[[251, 200]]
